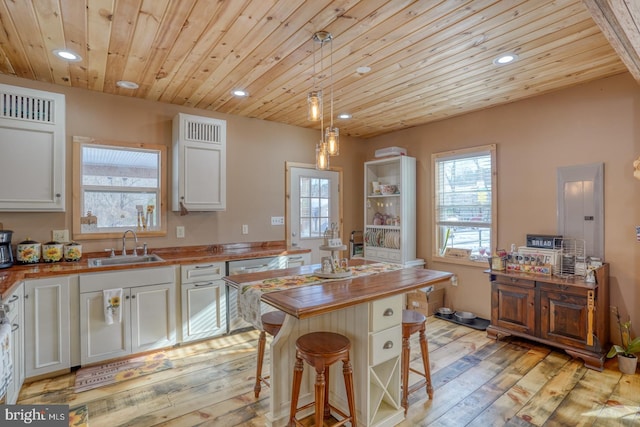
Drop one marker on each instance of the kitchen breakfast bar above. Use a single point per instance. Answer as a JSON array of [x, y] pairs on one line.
[[366, 308]]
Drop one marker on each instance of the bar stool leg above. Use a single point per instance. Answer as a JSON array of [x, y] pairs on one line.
[[327, 408], [347, 372], [261, 345], [406, 350], [297, 379], [320, 395], [425, 361]]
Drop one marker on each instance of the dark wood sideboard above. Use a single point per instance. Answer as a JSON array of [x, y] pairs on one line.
[[567, 313]]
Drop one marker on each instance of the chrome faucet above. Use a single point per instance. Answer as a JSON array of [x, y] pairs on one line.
[[124, 242]]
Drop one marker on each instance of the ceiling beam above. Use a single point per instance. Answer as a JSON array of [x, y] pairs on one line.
[[619, 21]]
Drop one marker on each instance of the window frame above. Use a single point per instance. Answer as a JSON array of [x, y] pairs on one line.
[[312, 218], [78, 143], [436, 244]]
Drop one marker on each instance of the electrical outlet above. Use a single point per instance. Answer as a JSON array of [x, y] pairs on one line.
[[454, 280], [277, 220], [180, 232], [61, 236], [245, 229]]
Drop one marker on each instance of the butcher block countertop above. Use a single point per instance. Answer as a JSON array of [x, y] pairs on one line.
[[311, 300], [12, 276]]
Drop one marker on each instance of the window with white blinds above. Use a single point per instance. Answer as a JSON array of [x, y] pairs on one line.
[[464, 204]]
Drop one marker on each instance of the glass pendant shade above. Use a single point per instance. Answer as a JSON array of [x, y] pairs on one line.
[[332, 136], [314, 105], [322, 156]]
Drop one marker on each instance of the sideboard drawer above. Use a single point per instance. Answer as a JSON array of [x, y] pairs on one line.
[[515, 281], [385, 345], [386, 313]]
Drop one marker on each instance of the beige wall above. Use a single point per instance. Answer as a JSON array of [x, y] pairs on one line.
[[256, 155], [597, 122]]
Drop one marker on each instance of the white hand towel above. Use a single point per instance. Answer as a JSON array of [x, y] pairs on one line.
[[6, 364], [112, 305]]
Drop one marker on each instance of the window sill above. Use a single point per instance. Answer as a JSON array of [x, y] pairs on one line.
[[117, 234], [448, 260]]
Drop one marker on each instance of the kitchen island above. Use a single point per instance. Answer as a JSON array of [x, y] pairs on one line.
[[366, 309]]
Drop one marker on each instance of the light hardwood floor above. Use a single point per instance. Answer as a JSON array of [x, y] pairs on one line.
[[477, 381]]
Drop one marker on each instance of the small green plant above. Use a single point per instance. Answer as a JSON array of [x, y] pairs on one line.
[[629, 347]]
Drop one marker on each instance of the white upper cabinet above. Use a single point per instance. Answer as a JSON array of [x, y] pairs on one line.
[[32, 150], [199, 163]]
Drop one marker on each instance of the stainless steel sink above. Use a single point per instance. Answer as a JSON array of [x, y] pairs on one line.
[[124, 260]]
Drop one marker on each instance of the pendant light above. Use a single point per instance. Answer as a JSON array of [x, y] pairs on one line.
[[329, 137]]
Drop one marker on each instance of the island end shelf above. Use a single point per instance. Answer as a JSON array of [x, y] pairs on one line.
[[366, 309], [566, 313]]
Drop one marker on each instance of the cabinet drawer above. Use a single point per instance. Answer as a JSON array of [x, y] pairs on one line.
[[563, 288], [386, 313], [385, 345], [198, 272], [515, 281]]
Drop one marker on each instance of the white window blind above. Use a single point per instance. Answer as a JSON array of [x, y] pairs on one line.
[[464, 203]]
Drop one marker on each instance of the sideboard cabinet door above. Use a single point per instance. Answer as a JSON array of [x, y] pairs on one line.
[[513, 306]]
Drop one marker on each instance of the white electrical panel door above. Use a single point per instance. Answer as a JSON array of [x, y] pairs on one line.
[[581, 205]]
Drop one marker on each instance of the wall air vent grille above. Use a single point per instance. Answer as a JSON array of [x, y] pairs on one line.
[[203, 132], [28, 108]]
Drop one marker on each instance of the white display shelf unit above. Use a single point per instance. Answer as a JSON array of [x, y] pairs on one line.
[[390, 219]]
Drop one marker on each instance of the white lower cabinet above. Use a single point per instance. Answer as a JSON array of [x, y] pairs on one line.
[[147, 313], [385, 348], [15, 316], [47, 326], [204, 304]]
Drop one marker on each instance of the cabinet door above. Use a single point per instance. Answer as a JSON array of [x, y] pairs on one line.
[[563, 318], [47, 327], [199, 155], [153, 312], [513, 307], [32, 142], [204, 310], [16, 320], [98, 340]]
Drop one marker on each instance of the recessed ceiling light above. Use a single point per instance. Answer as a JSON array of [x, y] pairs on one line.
[[363, 70], [506, 58], [241, 93], [344, 116], [125, 84], [67, 55]]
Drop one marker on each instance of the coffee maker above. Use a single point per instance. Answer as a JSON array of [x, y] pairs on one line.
[[6, 256]]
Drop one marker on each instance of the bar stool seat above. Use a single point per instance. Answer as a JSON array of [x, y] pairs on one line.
[[271, 323], [320, 350], [412, 322]]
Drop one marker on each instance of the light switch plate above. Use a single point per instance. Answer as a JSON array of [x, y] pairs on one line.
[[277, 220]]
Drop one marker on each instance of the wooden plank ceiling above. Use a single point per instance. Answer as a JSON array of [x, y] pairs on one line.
[[429, 59]]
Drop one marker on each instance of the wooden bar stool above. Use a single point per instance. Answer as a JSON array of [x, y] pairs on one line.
[[271, 324], [413, 321], [320, 350]]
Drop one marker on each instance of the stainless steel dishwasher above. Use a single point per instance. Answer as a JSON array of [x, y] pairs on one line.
[[253, 265]]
